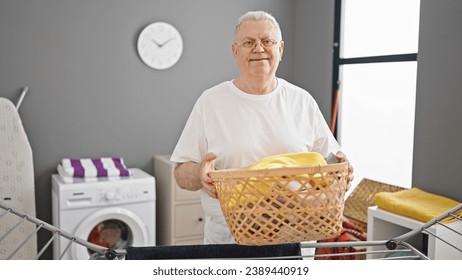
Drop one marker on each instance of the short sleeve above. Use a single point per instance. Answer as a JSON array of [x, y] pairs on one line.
[[325, 142], [191, 145]]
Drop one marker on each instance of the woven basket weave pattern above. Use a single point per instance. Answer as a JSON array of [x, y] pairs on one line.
[[282, 205], [363, 197]]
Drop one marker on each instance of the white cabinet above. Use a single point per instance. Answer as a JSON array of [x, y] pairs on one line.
[[384, 225], [180, 218]]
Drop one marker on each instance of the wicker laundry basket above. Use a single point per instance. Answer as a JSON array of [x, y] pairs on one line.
[[282, 205]]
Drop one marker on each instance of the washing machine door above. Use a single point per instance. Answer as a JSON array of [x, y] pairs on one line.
[[112, 227]]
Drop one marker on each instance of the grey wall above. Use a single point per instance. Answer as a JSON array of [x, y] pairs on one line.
[[314, 29], [438, 128], [91, 96]]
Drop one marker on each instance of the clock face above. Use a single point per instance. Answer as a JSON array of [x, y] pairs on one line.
[[160, 45]]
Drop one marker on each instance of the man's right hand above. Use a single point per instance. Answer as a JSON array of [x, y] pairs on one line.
[[207, 165]]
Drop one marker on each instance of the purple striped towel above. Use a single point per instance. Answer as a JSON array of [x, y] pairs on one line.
[[94, 167]]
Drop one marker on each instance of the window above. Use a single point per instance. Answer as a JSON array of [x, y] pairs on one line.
[[375, 71]]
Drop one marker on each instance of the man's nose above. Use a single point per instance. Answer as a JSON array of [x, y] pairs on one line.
[[258, 47]]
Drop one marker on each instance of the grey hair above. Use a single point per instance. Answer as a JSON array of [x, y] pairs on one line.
[[259, 15]]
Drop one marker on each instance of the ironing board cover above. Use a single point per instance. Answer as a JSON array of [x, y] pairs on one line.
[[16, 183]]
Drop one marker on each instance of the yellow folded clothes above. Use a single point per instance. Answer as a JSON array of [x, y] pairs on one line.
[[294, 160], [417, 204], [276, 161], [289, 160]]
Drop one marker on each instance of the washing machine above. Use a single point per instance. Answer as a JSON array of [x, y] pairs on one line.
[[113, 213]]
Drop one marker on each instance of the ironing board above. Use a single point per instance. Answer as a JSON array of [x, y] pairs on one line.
[[16, 183]]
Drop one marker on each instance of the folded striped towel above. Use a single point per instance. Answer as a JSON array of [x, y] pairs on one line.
[[416, 204], [93, 168]]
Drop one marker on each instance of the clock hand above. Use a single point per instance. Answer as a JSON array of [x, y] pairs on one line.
[[161, 45], [157, 44]]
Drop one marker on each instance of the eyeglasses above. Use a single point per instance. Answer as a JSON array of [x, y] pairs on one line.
[[250, 44]]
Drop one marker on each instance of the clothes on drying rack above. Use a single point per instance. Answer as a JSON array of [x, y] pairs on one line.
[[350, 233], [90, 169]]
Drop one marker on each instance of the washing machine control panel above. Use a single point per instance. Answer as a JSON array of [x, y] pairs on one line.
[[105, 193], [125, 194]]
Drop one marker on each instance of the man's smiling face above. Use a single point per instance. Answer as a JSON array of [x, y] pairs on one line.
[[250, 52]]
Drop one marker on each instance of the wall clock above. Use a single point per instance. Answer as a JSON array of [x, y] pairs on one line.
[[160, 45]]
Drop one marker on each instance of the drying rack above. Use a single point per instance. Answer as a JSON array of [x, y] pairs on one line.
[[395, 248], [100, 252]]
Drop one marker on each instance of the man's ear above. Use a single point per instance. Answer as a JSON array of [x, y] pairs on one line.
[[234, 50], [281, 48]]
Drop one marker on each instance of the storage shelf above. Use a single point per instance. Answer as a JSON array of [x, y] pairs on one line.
[[384, 225]]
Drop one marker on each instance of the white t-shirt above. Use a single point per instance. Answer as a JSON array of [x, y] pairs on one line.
[[242, 128]]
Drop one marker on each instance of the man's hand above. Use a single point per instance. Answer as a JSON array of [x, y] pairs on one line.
[[207, 165], [341, 157]]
